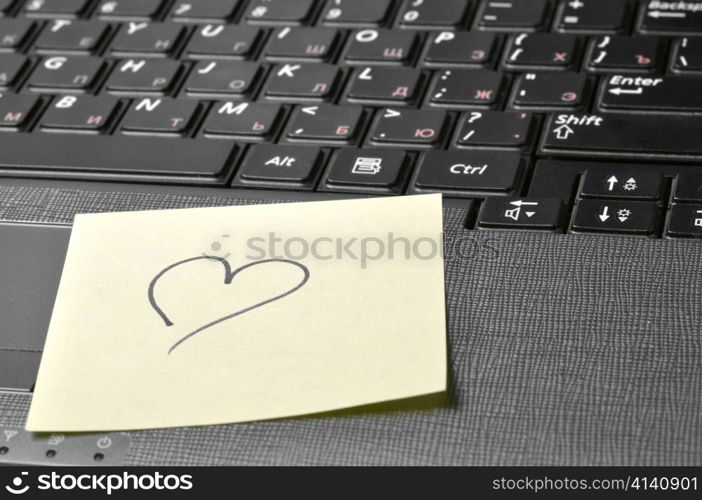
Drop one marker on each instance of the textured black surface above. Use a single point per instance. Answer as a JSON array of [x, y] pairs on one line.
[[564, 350]]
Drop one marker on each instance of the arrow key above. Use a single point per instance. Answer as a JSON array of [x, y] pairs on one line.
[[625, 217], [626, 183], [521, 213]]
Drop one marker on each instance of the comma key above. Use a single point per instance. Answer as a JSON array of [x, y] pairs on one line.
[[334, 124]]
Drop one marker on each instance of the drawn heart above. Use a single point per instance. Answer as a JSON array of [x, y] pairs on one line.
[[229, 276]]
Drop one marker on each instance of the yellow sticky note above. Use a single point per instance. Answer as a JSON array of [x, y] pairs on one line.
[[222, 315]]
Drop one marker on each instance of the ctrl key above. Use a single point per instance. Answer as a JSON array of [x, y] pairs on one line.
[[685, 221], [463, 173]]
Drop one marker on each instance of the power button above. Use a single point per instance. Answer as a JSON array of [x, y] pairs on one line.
[[104, 442]]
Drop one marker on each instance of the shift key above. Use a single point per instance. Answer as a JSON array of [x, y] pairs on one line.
[[464, 172], [629, 135]]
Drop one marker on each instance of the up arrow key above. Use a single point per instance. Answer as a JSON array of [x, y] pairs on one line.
[[612, 181]]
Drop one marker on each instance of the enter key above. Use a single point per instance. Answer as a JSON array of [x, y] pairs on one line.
[[653, 94]]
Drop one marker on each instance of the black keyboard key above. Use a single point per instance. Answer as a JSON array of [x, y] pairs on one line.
[[592, 16], [459, 48], [688, 187], [207, 11], [79, 113], [688, 55], [622, 53], [381, 46], [11, 67], [159, 116], [433, 13], [385, 84], [223, 41], [302, 82], [671, 17], [289, 165], [496, 129], [302, 43], [550, 90], [623, 182], [5, 6], [242, 119], [356, 12], [455, 87], [423, 128], [326, 122], [66, 73], [367, 170], [195, 161], [279, 11], [148, 39], [644, 93], [541, 50], [55, 8], [143, 76], [627, 135], [685, 221], [222, 77], [64, 35], [512, 14], [13, 33], [607, 216], [15, 110], [463, 173], [521, 213], [125, 10]]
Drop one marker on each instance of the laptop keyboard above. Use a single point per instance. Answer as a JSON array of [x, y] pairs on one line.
[[566, 116]]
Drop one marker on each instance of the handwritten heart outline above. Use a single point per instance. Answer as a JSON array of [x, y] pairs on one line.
[[229, 276]]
